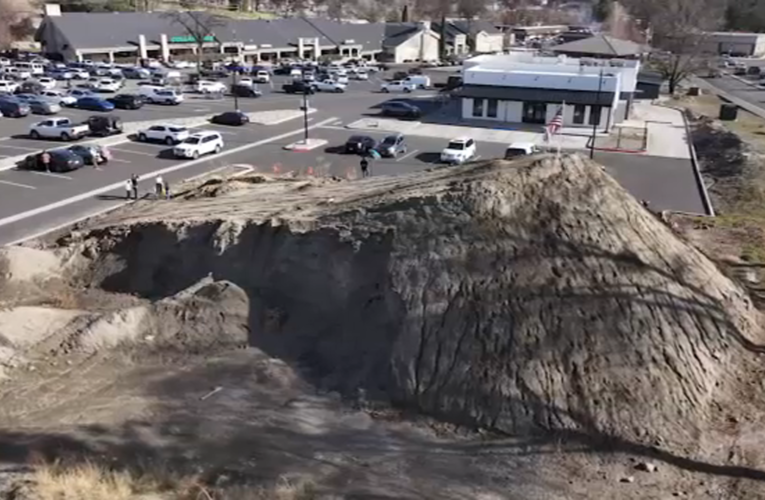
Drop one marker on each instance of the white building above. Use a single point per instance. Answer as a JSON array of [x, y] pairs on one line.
[[525, 88], [736, 44]]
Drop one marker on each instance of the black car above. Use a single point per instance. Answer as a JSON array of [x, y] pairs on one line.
[[245, 91], [104, 125], [392, 146], [235, 118], [91, 154], [282, 70], [61, 160], [298, 87], [401, 109], [360, 144], [16, 109], [127, 101], [29, 88]]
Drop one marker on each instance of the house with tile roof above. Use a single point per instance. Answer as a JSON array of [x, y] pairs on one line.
[[602, 47]]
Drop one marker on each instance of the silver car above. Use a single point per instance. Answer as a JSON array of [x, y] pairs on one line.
[[43, 106]]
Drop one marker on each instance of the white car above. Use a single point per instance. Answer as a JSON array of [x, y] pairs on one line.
[[59, 97], [210, 87], [4, 61], [77, 93], [169, 134], [79, 73], [519, 149], [245, 81], [181, 64], [360, 75], [397, 86], [262, 77], [329, 86], [341, 79], [18, 73], [160, 95], [47, 82], [199, 144], [8, 86], [459, 150], [93, 83], [108, 85]]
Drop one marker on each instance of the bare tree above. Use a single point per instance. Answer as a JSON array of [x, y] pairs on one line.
[[679, 28], [15, 22], [199, 26]]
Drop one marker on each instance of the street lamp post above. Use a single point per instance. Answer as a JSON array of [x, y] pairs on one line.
[[305, 115], [233, 90], [594, 122]]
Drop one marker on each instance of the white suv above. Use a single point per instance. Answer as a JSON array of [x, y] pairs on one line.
[[206, 86], [199, 144], [8, 86], [169, 134], [459, 150], [398, 86]]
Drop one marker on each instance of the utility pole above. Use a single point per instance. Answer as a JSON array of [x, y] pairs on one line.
[[600, 111], [305, 115]]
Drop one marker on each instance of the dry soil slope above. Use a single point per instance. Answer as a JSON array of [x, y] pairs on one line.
[[513, 295]]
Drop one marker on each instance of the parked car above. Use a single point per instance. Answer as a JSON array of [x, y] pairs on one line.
[[47, 82], [169, 134], [262, 76], [108, 85], [235, 118], [59, 97], [398, 86], [210, 87], [519, 149], [19, 73], [360, 144], [136, 73], [91, 154], [359, 74], [245, 91], [58, 128], [247, 81], [127, 101], [94, 104], [13, 108], [199, 144], [101, 125], [419, 81], [329, 86], [78, 93], [8, 86], [392, 145], [298, 87], [400, 109], [29, 87], [459, 150], [79, 73], [160, 95], [61, 160], [42, 106]]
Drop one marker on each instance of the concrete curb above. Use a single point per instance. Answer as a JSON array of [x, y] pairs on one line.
[[131, 128], [696, 169], [304, 146]]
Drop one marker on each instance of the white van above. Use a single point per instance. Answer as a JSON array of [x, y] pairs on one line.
[[160, 95], [32, 67], [421, 81]]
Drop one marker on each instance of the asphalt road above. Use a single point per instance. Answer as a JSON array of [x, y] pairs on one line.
[[742, 87], [34, 202]]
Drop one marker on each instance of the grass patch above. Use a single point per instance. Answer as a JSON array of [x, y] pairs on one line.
[[92, 481]]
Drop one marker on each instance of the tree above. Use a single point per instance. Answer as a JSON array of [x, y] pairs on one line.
[[679, 28], [198, 25], [745, 15], [602, 9], [16, 22]]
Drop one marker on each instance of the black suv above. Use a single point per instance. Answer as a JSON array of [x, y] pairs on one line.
[[360, 144], [401, 109], [127, 101], [61, 160], [101, 125], [298, 87]]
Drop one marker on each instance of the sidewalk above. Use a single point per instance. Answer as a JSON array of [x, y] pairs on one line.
[[666, 129], [480, 134]]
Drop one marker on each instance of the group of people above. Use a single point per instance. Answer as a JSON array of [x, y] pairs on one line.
[[161, 188]]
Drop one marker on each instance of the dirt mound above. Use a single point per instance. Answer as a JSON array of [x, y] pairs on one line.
[[526, 295]]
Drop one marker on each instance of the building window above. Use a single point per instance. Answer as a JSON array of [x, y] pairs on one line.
[[478, 107], [595, 115], [534, 112], [491, 109], [579, 110]]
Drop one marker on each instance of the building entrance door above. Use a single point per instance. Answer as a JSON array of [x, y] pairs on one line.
[[534, 112]]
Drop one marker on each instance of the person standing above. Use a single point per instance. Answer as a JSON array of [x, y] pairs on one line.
[[45, 158], [128, 189], [159, 186], [364, 166], [134, 185], [166, 188]]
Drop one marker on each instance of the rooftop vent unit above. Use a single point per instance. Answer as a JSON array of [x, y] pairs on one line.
[[616, 63], [588, 62], [349, 42]]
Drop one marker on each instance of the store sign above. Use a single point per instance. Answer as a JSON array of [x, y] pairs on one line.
[[190, 39]]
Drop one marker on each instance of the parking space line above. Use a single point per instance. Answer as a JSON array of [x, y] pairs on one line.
[[118, 160], [477, 158], [17, 184], [130, 151], [50, 174], [410, 153], [224, 132]]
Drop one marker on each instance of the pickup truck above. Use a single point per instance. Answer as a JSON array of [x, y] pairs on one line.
[[329, 86], [59, 128]]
